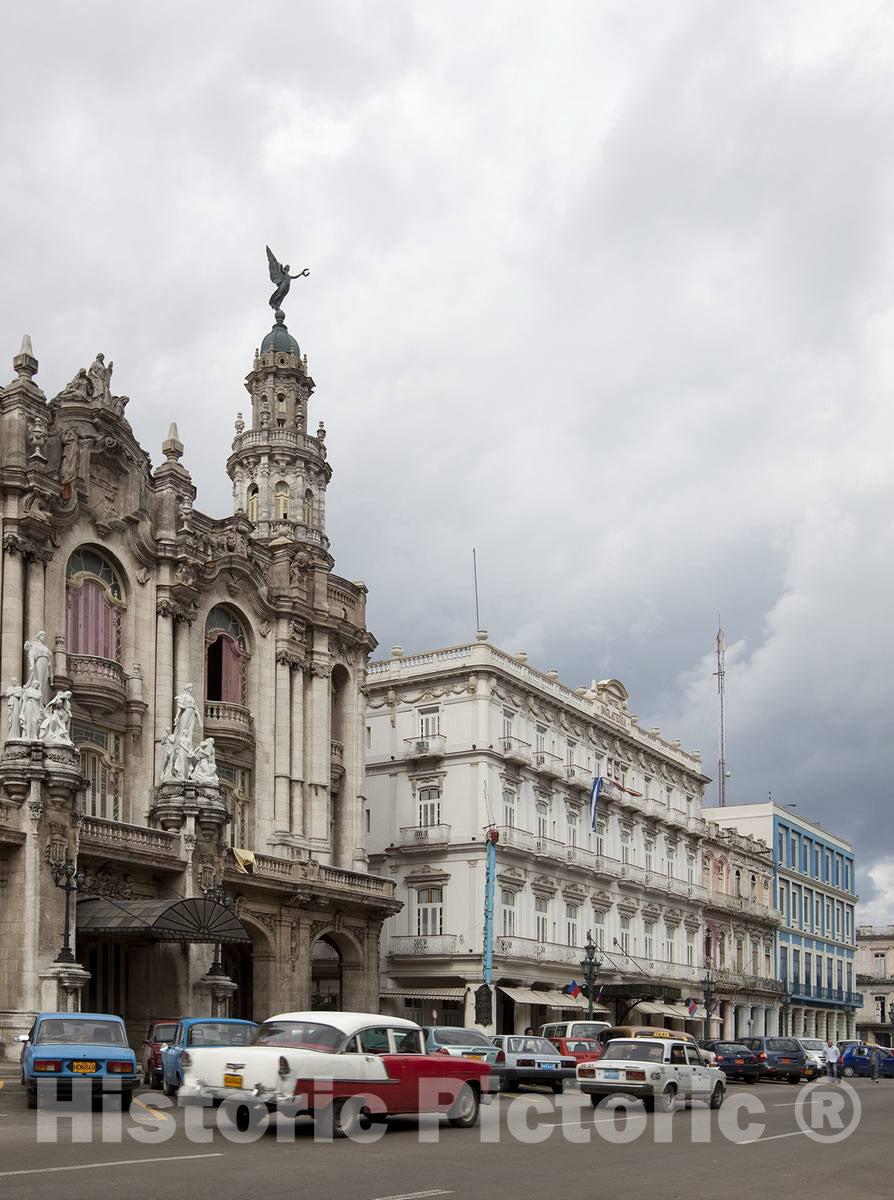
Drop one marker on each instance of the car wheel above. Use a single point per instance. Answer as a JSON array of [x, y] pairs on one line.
[[557, 1088], [126, 1100], [594, 1099], [717, 1095], [848, 1072], [751, 1079], [463, 1112], [169, 1089], [347, 1117], [31, 1097], [508, 1083], [242, 1118], [794, 1078], [664, 1102]]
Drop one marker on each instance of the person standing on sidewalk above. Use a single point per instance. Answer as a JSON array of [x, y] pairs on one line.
[[832, 1056], [875, 1062]]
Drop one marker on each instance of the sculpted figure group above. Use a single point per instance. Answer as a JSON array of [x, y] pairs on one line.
[[181, 759], [31, 713]]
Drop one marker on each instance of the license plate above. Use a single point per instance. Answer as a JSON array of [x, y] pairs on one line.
[[233, 1081], [549, 1066], [478, 1056], [611, 1074], [84, 1068], [785, 1060], [740, 1062]]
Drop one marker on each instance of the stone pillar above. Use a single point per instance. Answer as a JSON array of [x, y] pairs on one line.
[[728, 1032], [281, 759], [36, 880], [35, 596], [183, 673], [13, 640], [296, 753], [851, 1024], [60, 987], [773, 1020], [164, 679], [760, 1020], [317, 770]]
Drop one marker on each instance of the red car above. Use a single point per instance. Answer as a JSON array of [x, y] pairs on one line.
[[158, 1033], [580, 1049]]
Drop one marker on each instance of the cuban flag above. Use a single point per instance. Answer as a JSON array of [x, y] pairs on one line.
[[693, 1009], [594, 801], [572, 989]]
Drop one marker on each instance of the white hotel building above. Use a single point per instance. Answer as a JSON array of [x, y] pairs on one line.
[[468, 738]]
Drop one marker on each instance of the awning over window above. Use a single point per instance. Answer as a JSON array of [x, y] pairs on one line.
[[550, 997], [651, 1008], [193, 920], [523, 995], [425, 993]]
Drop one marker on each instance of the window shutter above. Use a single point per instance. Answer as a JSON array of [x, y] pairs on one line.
[[231, 689]]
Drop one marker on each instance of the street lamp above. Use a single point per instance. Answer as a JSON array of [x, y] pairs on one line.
[[591, 966], [708, 993], [224, 898], [67, 876]]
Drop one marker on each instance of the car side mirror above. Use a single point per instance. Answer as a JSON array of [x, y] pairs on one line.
[[22, 1037]]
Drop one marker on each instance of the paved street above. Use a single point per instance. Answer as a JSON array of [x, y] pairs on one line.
[[775, 1157]]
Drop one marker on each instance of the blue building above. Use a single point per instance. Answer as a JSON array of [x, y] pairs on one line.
[[814, 891]]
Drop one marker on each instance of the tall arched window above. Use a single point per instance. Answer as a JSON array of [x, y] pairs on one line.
[[94, 606], [253, 503], [281, 410], [281, 501], [225, 657], [308, 508]]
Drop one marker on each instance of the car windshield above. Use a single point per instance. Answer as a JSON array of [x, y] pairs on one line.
[[304, 1035], [530, 1045], [164, 1033], [634, 1051], [729, 1048], [461, 1037], [219, 1033], [82, 1031], [813, 1043]]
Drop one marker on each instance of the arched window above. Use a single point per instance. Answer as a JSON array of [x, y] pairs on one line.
[[281, 410], [253, 503], [94, 606], [308, 508], [281, 501], [225, 657]]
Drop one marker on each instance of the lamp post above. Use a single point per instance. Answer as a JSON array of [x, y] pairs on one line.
[[224, 898], [67, 876], [591, 966], [708, 993]]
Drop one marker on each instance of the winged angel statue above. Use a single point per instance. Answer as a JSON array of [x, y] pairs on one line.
[[279, 275]]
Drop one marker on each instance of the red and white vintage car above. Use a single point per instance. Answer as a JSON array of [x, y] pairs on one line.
[[346, 1068]]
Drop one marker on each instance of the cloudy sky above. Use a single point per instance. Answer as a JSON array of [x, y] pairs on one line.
[[602, 288]]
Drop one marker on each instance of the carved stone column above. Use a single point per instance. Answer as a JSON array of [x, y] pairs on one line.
[[296, 752], [13, 614], [183, 673], [281, 722], [35, 595], [317, 769], [164, 677]]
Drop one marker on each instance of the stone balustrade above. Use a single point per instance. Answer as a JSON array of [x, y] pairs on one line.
[[99, 831], [424, 835], [434, 944]]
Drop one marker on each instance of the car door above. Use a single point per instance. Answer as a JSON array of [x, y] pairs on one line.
[[699, 1078], [680, 1071], [170, 1056], [399, 1093]]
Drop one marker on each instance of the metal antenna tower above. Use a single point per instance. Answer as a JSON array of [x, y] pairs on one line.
[[722, 772]]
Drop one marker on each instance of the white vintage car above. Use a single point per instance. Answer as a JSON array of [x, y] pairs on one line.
[[347, 1068], [659, 1070]]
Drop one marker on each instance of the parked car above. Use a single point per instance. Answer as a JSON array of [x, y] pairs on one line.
[[159, 1033], [659, 1071], [192, 1032], [573, 1029], [531, 1059], [815, 1049], [580, 1049], [734, 1060], [613, 1032], [857, 1060], [778, 1057], [461, 1043], [367, 1065], [65, 1047]]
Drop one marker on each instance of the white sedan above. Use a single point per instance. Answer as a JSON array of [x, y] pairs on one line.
[[659, 1071]]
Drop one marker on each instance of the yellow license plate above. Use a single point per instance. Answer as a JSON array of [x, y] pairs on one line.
[[84, 1068], [478, 1056], [233, 1081]]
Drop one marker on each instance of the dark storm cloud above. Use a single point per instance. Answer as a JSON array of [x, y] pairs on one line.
[[603, 290]]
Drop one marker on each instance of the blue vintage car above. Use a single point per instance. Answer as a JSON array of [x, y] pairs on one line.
[[200, 1031], [63, 1048], [857, 1060]]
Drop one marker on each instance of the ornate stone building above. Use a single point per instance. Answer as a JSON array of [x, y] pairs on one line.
[[140, 596]]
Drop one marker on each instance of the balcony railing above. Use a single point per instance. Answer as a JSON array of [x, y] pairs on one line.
[[98, 831], [430, 745], [424, 835], [532, 950], [742, 904], [579, 776], [818, 991], [225, 720], [745, 982], [515, 750], [99, 682], [429, 943], [549, 764]]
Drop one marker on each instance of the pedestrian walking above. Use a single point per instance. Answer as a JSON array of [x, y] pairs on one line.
[[875, 1062], [833, 1054]]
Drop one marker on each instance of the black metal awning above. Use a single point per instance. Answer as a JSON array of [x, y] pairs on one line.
[[193, 920]]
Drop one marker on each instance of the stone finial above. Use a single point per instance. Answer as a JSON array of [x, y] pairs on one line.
[[521, 655], [481, 635], [172, 447], [397, 651], [25, 364], [240, 423], [552, 673]]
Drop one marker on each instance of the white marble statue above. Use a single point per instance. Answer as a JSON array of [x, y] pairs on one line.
[[56, 723], [169, 747], [31, 711], [40, 665], [187, 717], [205, 766], [14, 709]]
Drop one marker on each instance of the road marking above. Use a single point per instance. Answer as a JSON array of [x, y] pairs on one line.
[[418, 1195], [154, 1112], [126, 1162], [772, 1138]]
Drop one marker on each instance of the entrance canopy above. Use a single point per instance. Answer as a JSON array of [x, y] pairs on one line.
[[194, 920], [424, 993]]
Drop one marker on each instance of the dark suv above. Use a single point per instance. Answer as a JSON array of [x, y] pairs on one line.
[[778, 1057]]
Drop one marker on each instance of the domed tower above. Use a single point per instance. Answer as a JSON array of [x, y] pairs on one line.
[[279, 471]]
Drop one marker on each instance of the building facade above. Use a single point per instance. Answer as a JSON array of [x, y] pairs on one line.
[[469, 739], [814, 893], [208, 788], [875, 978]]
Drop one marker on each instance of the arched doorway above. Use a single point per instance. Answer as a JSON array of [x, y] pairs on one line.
[[238, 963], [325, 974]]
